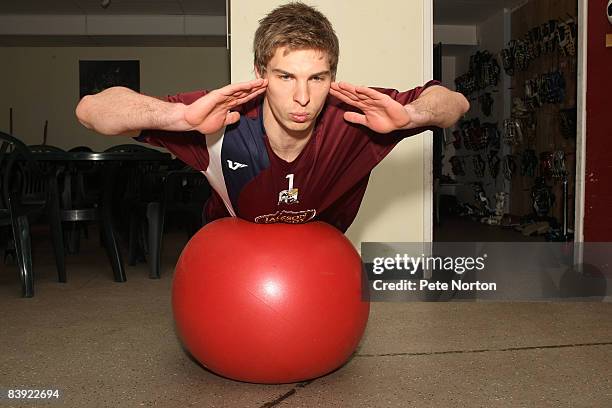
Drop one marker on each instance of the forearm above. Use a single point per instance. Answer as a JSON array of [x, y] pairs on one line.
[[119, 110], [438, 106]]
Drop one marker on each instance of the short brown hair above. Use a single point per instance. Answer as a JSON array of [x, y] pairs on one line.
[[295, 26]]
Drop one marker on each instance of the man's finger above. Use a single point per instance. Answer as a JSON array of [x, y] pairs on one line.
[[355, 117], [345, 86], [345, 93], [344, 98], [248, 97], [348, 89], [231, 117], [231, 89], [243, 92], [360, 93], [364, 92]]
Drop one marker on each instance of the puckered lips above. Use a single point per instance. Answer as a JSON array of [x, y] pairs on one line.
[[299, 117]]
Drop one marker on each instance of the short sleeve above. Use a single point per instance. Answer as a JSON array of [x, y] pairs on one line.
[[408, 96], [189, 147], [384, 143]]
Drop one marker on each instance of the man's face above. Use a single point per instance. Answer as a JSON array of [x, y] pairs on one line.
[[298, 84]]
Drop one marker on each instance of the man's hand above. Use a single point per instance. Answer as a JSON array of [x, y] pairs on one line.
[[435, 106], [381, 113], [212, 111]]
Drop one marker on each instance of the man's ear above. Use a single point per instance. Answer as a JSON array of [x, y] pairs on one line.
[[257, 73]]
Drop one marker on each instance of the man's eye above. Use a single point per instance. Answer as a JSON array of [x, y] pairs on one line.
[[284, 77], [317, 79]]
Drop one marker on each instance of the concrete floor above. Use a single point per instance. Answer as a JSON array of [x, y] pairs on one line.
[[106, 344], [453, 228]]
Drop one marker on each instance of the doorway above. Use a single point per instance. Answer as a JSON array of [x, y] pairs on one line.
[[507, 170]]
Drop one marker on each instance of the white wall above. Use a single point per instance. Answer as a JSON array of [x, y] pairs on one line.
[[379, 46], [42, 83]]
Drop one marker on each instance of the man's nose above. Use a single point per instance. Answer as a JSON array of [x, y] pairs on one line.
[[301, 95]]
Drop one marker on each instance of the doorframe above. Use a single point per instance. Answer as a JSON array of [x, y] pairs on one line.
[[581, 86], [427, 137], [581, 82]]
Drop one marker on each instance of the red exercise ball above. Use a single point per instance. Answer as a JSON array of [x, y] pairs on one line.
[[275, 303]]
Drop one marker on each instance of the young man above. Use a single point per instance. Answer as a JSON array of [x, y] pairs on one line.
[[290, 146]]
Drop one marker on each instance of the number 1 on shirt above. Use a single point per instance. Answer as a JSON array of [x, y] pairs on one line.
[[290, 195]]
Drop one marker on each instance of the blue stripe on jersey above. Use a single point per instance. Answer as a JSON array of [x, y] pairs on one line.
[[243, 155]]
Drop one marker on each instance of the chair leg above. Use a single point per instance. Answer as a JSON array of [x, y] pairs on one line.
[[74, 238], [57, 234], [106, 224], [155, 219], [133, 241], [57, 237], [112, 250], [23, 247], [101, 237]]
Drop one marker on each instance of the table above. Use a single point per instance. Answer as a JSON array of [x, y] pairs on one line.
[[149, 156], [66, 166]]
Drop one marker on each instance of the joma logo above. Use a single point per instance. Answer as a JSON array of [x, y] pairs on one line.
[[235, 165]]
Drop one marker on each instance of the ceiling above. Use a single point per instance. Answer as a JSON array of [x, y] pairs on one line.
[[469, 12], [445, 11], [193, 7]]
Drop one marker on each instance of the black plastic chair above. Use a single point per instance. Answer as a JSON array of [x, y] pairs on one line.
[[152, 190], [83, 172], [80, 193], [129, 148], [56, 176], [45, 149], [185, 192], [142, 206], [86, 197], [85, 149], [28, 192]]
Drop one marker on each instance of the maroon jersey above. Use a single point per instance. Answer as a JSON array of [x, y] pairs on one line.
[[326, 182]]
